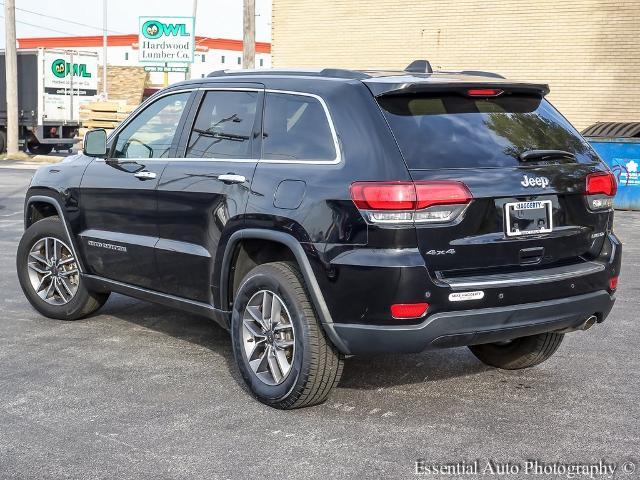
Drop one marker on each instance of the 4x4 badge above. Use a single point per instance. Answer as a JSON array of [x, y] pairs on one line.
[[542, 182], [451, 251]]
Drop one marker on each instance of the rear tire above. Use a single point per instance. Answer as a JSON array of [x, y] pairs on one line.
[[312, 365], [69, 301], [519, 353]]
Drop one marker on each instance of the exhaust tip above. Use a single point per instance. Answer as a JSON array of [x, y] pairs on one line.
[[589, 322]]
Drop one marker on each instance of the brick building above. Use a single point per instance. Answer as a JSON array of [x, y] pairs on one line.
[[587, 50]]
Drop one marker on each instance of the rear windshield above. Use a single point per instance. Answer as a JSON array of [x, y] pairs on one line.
[[455, 131]]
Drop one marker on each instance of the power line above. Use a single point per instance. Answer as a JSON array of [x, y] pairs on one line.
[[61, 20], [40, 26]]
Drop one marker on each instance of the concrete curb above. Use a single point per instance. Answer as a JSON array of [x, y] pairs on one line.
[[23, 157]]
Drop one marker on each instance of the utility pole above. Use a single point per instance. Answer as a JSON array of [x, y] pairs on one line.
[[194, 11], [249, 37], [104, 50], [11, 70]]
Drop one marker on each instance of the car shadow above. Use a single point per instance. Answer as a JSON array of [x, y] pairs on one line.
[[366, 372]]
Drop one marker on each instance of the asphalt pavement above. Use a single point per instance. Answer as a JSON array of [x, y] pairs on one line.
[[142, 391]]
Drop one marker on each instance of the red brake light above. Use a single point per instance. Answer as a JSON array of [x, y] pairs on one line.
[[613, 283], [601, 183], [408, 195], [409, 310], [484, 92], [441, 193], [384, 195]]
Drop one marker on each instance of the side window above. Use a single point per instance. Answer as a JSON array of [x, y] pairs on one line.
[[296, 128], [224, 125], [151, 132]]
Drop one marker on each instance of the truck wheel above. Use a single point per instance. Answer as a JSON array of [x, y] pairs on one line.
[[38, 148], [278, 344], [49, 275], [518, 353], [3, 141]]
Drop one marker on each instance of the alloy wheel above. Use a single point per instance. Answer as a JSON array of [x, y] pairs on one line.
[[53, 271], [268, 337]]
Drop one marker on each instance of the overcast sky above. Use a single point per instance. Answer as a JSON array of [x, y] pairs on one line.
[[215, 18]]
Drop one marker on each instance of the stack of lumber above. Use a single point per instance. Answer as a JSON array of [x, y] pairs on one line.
[[125, 83], [107, 115]]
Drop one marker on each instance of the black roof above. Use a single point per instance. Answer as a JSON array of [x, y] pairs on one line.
[[382, 82], [379, 82]]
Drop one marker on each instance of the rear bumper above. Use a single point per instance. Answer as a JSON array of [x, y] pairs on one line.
[[469, 327]]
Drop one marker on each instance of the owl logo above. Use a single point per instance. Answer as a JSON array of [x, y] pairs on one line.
[[152, 29], [59, 68]]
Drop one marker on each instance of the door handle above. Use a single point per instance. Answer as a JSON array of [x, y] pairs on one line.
[[145, 175], [231, 178]]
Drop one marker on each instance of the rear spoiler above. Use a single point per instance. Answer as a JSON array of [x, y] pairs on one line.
[[381, 88]]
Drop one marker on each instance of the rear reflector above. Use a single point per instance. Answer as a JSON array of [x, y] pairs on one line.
[[613, 283], [484, 92], [601, 183], [409, 310]]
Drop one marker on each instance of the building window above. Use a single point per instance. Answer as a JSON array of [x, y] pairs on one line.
[[222, 59], [239, 60], [126, 55], [261, 62], [203, 59]]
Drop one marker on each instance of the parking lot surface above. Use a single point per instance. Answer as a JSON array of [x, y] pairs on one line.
[[141, 391]]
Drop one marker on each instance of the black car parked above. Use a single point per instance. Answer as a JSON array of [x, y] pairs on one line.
[[319, 214]]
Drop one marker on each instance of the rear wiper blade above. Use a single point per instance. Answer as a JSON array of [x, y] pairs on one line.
[[530, 155]]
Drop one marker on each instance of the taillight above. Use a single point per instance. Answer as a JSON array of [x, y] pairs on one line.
[[600, 189], [407, 202], [408, 310], [613, 283]]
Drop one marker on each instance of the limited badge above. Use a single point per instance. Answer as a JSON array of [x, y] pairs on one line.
[[464, 296]]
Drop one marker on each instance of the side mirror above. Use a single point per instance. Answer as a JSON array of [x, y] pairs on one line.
[[95, 143]]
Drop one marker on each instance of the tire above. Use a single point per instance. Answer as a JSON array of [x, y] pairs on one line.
[[3, 141], [519, 353], [315, 364], [74, 305], [38, 148]]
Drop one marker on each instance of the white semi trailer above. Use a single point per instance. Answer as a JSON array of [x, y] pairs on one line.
[[52, 85]]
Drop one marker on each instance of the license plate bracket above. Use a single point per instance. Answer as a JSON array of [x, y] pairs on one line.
[[528, 218]]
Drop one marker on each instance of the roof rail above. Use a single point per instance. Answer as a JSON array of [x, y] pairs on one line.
[[326, 72], [419, 66]]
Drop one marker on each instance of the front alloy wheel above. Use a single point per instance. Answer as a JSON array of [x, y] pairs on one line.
[[49, 273], [53, 271]]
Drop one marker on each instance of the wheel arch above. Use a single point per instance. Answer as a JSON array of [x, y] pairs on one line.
[[38, 207], [297, 254]]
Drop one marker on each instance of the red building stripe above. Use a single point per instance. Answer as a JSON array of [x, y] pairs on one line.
[[129, 41]]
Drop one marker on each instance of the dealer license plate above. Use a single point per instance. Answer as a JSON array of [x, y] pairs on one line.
[[528, 218]]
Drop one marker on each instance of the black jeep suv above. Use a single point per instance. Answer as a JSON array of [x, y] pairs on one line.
[[321, 214]]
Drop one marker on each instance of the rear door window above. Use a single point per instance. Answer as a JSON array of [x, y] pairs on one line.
[[224, 125], [296, 127], [455, 131]]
